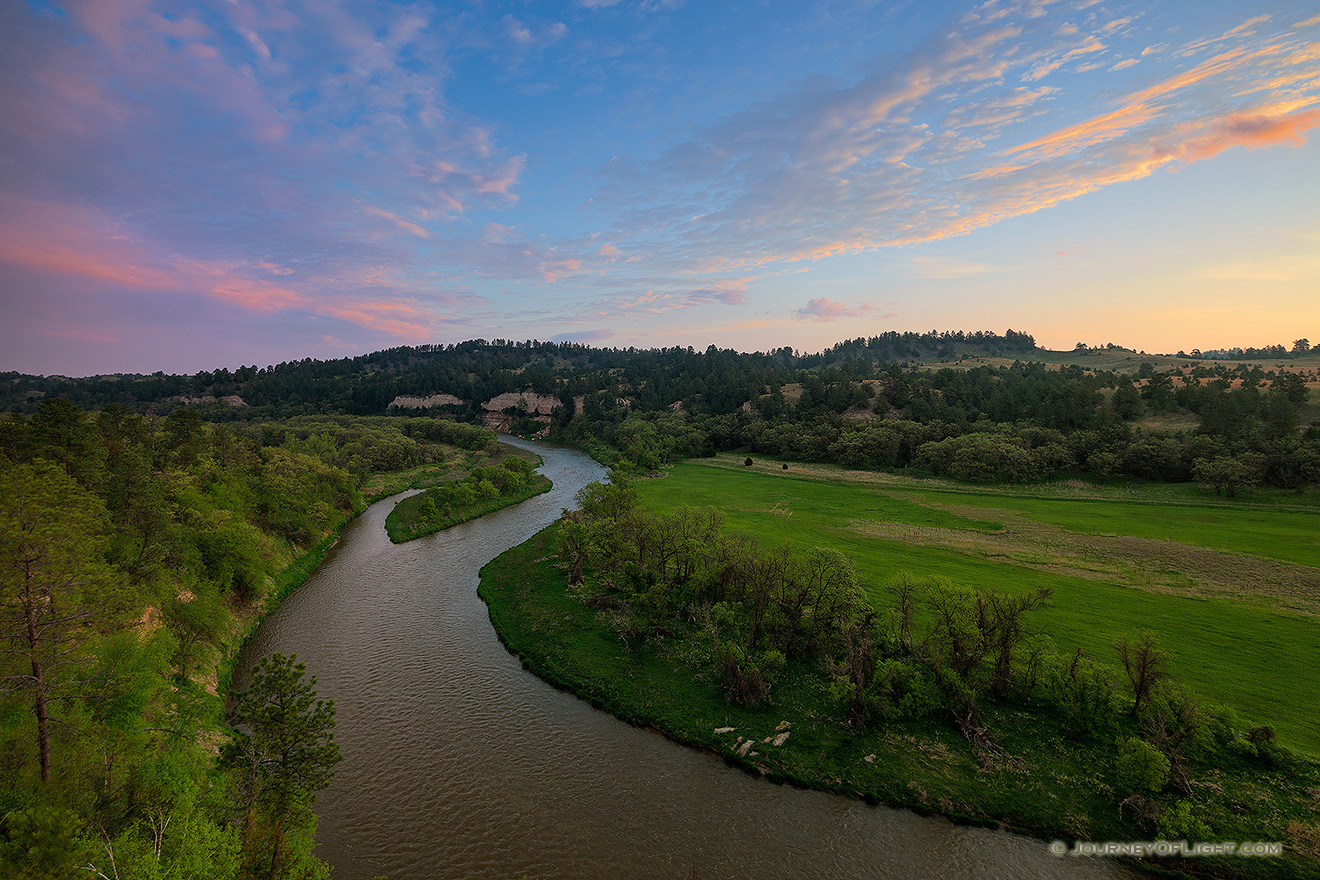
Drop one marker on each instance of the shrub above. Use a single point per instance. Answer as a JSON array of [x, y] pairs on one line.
[[1266, 748], [1084, 693], [744, 682], [1142, 767], [1178, 822]]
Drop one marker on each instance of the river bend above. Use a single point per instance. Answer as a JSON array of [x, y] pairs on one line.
[[460, 764]]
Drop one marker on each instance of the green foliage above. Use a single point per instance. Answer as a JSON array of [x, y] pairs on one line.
[[110, 525], [1245, 652], [1084, 692], [747, 678], [1265, 747], [1043, 782], [299, 497], [1141, 766], [1144, 664], [481, 490], [1227, 475], [651, 407], [281, 753], [41, 843], [283, 745], [232, 554], [1179, 821], [56, 592]]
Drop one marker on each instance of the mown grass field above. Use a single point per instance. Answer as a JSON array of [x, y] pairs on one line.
[[1231, 588]]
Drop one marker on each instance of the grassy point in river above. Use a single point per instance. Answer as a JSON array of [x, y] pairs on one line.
[[413, 517], [1054, 786]]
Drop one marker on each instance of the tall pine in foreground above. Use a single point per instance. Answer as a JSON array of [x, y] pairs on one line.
[[282, 752]]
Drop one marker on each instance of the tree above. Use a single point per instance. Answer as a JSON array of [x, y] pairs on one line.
[[1225, 474], [1145, 665], [284, 757], [53, 583], [1301, 346], [1141, 766], [62, 433], [1126, 401]]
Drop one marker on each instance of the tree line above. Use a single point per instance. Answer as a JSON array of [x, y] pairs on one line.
[[853, 404]]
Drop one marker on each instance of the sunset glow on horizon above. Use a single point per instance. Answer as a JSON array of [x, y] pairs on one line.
[[255, 182]]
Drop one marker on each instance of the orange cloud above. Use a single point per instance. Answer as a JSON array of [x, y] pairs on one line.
[[1187, 143], [1250, 131], [555, 270], [61, 239], [1138, 109]]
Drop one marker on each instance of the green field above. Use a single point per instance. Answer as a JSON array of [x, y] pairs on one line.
[[1232, 589], [1053, 785]]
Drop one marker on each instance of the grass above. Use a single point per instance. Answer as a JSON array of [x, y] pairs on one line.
[[1056, 787], [1231, 589], [383, 485]]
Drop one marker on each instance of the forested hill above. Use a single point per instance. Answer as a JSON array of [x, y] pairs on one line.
[[478, 370], [711, 381], [978, 406]]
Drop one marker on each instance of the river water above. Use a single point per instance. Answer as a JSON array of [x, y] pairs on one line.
[[460, 764]]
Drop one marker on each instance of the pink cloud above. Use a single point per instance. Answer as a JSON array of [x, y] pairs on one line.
[[1247, 130], [553, 270], [822, 309], [80, 242]]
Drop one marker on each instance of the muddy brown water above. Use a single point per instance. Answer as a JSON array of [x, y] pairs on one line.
[[458, 763]]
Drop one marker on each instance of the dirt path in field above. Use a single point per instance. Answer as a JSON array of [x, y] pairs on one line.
[[1146, 563]]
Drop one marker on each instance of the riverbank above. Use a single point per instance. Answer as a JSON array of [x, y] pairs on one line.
[[1054, 787], [282, 583]]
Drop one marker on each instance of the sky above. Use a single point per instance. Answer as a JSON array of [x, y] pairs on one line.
[[191, 186]]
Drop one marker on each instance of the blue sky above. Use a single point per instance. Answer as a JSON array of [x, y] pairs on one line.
[[188, 187]]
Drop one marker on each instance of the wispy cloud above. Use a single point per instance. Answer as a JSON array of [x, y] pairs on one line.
[[948, 267], [378, 171], [824, 309], [326, 124], [835, 168]]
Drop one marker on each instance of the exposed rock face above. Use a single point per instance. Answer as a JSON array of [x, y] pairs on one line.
[[405, 401], [227, 400], [538, 404], [538, 409]]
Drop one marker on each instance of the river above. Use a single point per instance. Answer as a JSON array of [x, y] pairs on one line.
[[460, 764]]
